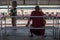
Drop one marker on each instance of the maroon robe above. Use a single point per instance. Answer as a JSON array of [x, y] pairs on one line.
[[38, 23]]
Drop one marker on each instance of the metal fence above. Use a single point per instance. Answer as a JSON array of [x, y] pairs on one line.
[[55, 29]]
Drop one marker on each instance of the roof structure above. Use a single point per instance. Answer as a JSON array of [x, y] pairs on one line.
[[31, 2]]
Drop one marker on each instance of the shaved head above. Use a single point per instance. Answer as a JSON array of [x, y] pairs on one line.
[[37, 8]]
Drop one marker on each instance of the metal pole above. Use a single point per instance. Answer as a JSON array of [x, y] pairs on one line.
[[23, 2], [1, 30], [5, 24], [8, 2], [58, 27], [53, 26], [36, 2], [48, 2]]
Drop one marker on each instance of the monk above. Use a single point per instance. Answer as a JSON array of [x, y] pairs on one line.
[[37, 22]]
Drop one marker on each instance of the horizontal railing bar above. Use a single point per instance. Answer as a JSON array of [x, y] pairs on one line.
[[27, 16], [25, 24], [30, 27]]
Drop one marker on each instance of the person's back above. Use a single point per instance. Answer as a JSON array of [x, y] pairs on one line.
[[14, 12], [39, 21]]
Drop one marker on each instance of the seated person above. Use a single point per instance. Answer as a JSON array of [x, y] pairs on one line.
[[37, 22]]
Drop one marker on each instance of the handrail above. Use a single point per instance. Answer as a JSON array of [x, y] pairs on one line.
[[27, 16]]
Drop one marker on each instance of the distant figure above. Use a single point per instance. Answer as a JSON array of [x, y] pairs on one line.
[[47, 14], [13, 13], [3, 16], [37, 22]]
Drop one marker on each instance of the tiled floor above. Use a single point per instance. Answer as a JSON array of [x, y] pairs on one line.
[[22, 33]]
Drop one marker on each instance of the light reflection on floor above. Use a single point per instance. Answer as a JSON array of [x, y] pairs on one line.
[[22, 33]]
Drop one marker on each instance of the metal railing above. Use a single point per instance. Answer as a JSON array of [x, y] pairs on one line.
[[54, 28]]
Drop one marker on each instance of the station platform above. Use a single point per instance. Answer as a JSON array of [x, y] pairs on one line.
[[22, 33]]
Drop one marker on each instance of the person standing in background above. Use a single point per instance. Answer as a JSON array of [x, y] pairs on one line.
[[13, 13]]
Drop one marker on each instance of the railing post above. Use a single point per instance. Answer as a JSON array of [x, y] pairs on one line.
[[1, 30], [54, 29]]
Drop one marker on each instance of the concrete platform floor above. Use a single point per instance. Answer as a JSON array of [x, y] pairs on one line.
[[22, 33]]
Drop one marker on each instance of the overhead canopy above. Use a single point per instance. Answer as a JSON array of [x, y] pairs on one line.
[[31, 2]]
